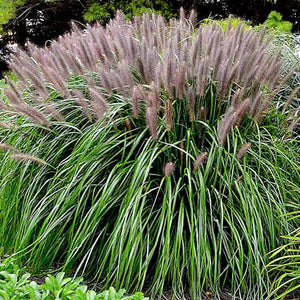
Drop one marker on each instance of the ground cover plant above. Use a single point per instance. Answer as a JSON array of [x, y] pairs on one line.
[[149, 155], [17, 284]]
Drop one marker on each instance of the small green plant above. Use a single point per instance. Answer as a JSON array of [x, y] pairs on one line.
[[274, 21]]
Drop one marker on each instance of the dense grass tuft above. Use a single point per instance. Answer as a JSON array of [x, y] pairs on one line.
[[153, 158]]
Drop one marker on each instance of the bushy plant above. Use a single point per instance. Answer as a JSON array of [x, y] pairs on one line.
[[147, 155]]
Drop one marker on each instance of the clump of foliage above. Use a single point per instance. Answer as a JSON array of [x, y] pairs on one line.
[[16, 284], [147, 154], [275, 21]]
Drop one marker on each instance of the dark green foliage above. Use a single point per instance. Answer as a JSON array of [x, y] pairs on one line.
[[4, 56], [97, 10], [40, 21]]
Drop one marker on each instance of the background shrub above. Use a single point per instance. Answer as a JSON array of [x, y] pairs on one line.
[[99, 11]]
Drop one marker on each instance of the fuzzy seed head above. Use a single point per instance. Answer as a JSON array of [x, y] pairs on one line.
[[27, 157], [169, 169], [8, 147], [199, 161], [168, 114], [243, 150]]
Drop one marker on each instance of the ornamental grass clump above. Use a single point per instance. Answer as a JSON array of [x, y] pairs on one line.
[[130, 159]]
